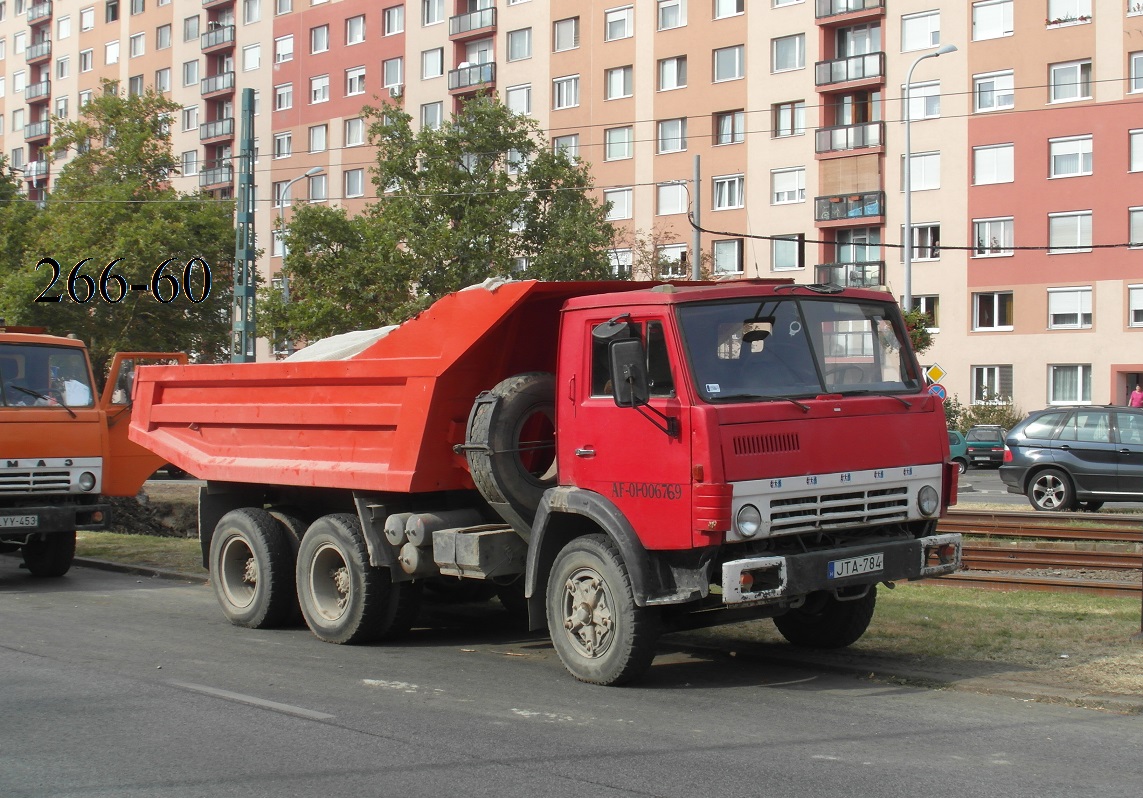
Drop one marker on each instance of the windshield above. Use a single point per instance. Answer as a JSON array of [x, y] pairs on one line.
[[786, 347], [44, 376]]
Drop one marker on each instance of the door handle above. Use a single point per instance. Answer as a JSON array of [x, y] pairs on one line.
[[586, 451]]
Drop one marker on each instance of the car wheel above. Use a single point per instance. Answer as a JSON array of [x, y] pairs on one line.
[[1051, 491], [962, 465]]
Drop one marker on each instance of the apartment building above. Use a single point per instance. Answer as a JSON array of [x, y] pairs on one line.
[[1025, 143]]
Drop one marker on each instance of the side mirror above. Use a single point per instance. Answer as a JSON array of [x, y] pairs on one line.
[[626, 360]]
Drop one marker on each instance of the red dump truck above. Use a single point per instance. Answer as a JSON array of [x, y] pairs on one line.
[[629, 458]]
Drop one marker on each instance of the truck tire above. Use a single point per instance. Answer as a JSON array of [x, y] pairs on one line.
[[519, 461], [599, 632], [343, 598], [252, 569], [50, 555], [824, 622]]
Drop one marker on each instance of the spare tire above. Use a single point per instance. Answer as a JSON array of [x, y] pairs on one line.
[[511, 446]]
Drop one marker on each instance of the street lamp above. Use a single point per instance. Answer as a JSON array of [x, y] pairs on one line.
[[908, 169], [285, 195]]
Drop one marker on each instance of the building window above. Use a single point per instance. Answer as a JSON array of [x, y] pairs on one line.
[[283, 6], [283, 49], [355, 183], [354, 81], [618, 82], [1069, 157], [1135, 150], [920, 31], [318, 188], [63, 67], [565, 92], [284, 97], [730, 8], [729, 63], [87, 60], [319, 89], [1069, 81], [926, 242], [992, 310], [930, 305], [616, 143], [162, 37], [137, 45], [993, 164], [924, 100], [1069, 12], [1135, 68], [518, 99], [1068, 385], [251, 57], [619, 201], [135, 85], [991, 19], [788, 52], [1069, 232], [565, 35], [519, 44], [432, 115], [392, 71], [672, 199], [111, 53], [163, 79], [110, 11], [190, 72], [1069, 308], [672, 73], [993, 237], [251, 11], [354, 132], [621, 262], [393, 20], [432, 12], [190, 117], [1135, 227], [190, 28], [190, 162], [1135, 306], [784, 254], [787, 185], [729, 127], [283, 145], [789, 119], [318, 136], [87, 19], [319, 39], [726, 256], [671, 260], [432, 63], [618, 23], [924, 171], [672, 135], [729, 192], [993, 92], [672, 14], [991, 384], [568, 146], [355, 29]]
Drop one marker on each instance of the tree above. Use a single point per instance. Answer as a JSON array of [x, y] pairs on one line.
[[483, 195], [918, 322], [113, 202]]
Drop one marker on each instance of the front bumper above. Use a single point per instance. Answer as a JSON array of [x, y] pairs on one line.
[[19, 522], [772, 578]]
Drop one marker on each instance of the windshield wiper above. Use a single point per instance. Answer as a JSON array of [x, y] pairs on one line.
[[866, 392], [757, 397], [47, 399]]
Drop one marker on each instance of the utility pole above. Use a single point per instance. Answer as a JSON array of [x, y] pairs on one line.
[[242, 309], [696, 261]]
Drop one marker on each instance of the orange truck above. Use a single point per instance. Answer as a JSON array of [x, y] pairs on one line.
[[63, 448], [618, 458]]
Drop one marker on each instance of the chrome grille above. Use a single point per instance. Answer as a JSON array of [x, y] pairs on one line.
[[35, 481], [843, 508]]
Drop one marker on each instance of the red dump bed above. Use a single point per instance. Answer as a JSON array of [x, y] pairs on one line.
[[384, 419]]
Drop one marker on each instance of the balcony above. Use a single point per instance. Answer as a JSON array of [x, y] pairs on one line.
[[869, 68], [217, 177], [216, 84], [213, 3], [476, 23], [222, 36], [38, 91], [38, 12], [835, 8], [40, 51], [38, 130], [470, 78], [34, 170], [218, 129], [869, 274], [849, 208], [841, 138]]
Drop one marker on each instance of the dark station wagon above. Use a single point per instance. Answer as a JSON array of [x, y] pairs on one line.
[[985, 445]]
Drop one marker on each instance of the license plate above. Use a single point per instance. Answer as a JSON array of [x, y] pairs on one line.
[[18, 521], [985, 457], [853, 566]]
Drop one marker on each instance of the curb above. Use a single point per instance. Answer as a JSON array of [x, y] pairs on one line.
[[139, 570]]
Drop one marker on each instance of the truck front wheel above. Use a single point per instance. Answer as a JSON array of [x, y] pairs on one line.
[[824, 622], [252, 569], [50, 555], [343, 598], [599, 632]]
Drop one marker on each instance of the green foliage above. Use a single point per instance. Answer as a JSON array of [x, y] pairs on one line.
[[478, 197], [112, 200], [918, 323], [992, 409], [954, 412]]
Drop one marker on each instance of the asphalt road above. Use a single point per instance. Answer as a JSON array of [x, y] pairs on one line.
[[124, 686], [983, 486]]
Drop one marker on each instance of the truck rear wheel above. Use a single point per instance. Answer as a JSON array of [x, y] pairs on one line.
[[600, 633], [825, 622], [343, 598], [50, 555], [252, 569], [519, 461]]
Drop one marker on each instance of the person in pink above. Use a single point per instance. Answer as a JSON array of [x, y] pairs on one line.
[[1136, 399]]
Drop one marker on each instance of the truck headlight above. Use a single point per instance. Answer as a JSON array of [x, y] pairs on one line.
[[928, 502], [749, 521], [86, 480]]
